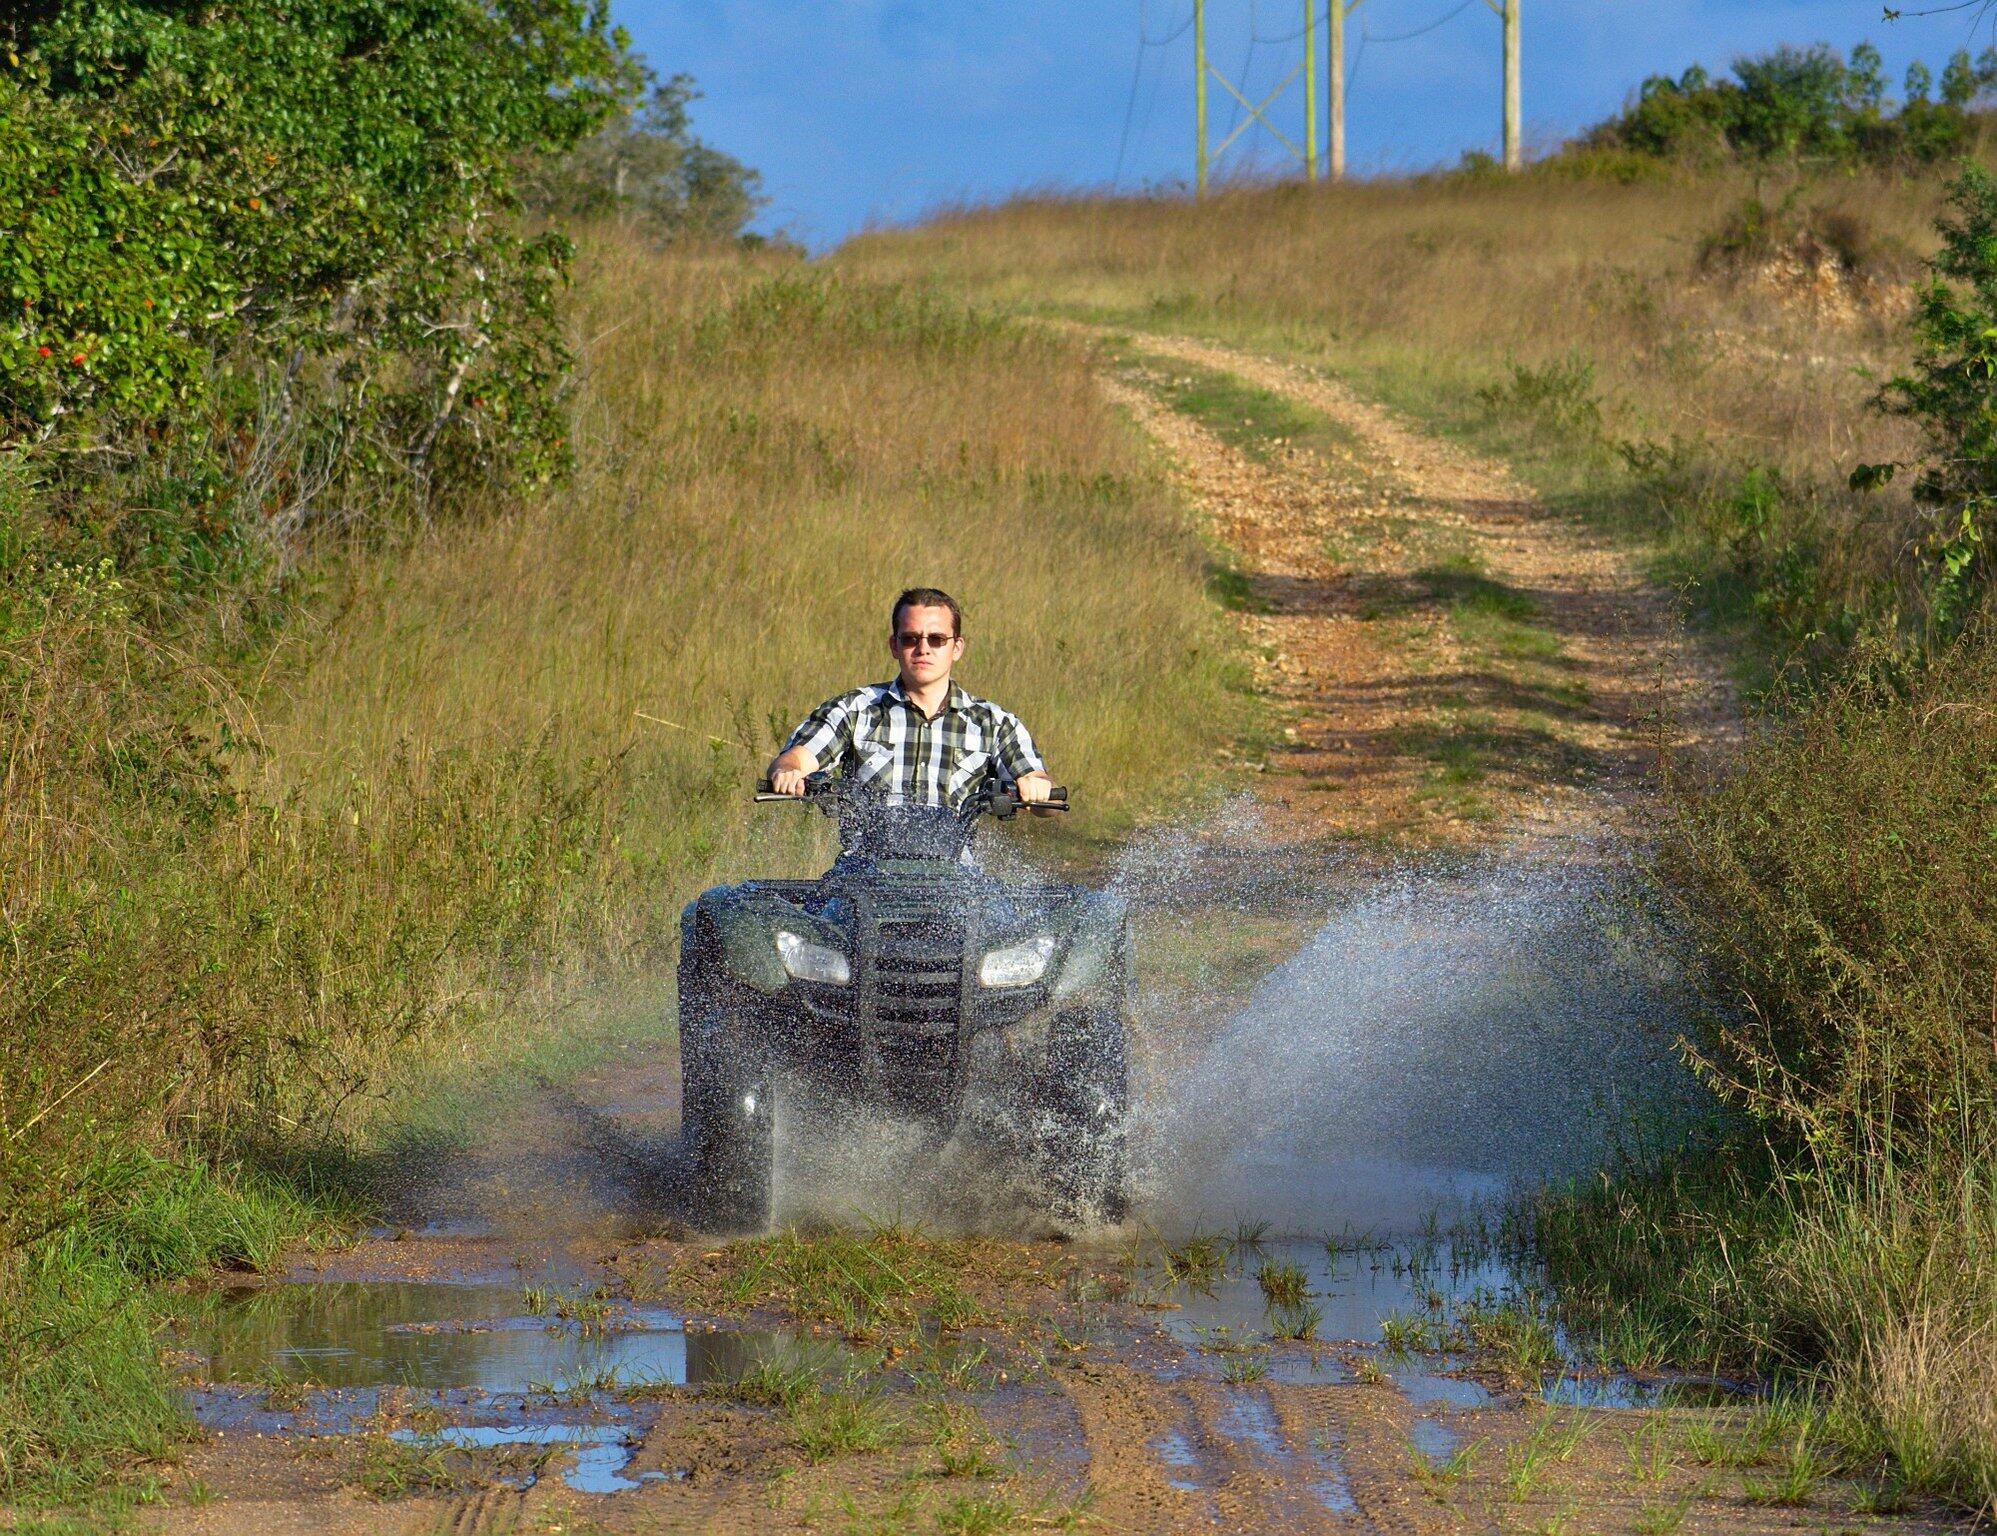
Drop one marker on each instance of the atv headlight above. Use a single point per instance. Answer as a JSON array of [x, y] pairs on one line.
[[1017, 965], [812, 962]]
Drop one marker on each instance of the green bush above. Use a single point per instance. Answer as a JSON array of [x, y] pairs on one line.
[[1801, 104], [270, 253], [1951, 393], [1839, 886]]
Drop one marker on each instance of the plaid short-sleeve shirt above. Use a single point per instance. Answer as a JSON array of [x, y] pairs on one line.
[[876, 736]]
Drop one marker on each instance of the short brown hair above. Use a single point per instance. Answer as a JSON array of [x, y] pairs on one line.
[[926, 597]]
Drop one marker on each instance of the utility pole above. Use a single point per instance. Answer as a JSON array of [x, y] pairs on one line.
[[1200, 91], [1335, 13], [1514, 148], [1311, 86]]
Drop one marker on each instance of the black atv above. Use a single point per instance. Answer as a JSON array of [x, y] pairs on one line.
[[905, 979]]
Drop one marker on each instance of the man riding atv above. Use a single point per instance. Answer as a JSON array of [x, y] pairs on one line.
[[920, 738], [907, 980]]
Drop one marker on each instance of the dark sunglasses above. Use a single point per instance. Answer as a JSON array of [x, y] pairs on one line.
[[909, 639]]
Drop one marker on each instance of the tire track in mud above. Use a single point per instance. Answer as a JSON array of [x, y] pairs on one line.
[[1175, 1456]]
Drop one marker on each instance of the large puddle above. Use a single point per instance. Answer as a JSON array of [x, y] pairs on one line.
[[478, 1338], [528, 1369], [1297, 1311]]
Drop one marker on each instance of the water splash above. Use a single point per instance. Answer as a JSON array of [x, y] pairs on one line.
[[1445, 1031]]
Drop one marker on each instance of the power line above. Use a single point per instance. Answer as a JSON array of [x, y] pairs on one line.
[[1440, 22], [1129, 111], [1144, 41]]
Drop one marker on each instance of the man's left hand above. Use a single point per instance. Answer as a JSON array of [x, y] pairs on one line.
[[1035, 789]]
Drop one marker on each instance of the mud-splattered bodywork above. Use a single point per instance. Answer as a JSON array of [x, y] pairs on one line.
[[922, 987]]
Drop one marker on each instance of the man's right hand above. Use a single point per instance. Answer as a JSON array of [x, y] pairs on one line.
[[789, 770]]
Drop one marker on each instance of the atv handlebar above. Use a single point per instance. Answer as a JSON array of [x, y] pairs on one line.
[[829, 793]]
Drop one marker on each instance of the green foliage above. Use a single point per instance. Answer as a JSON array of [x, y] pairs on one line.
[[645, 166], [1951, 393], [1840, 889], [81, 1384], [1801, 103], [1557, 396], [272, 248]]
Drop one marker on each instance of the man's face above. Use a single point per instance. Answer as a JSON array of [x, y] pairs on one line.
[[926, 644]]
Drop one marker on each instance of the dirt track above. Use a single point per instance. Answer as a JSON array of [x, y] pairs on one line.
[[1458, 668]]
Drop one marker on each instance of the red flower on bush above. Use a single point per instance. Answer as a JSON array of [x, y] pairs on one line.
[[46, 351], [77, 360]]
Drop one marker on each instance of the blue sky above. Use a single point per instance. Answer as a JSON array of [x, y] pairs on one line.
[[861, 111]]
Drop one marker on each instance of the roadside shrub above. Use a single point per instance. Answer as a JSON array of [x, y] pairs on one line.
[[1557, 396], [1839, 886], [1951, 394], [271, 251]]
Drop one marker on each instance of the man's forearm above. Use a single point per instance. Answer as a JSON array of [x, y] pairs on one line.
[[788, 769]]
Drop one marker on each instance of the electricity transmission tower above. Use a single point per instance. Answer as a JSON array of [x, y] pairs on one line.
[[1257, 111], [1336, 13]]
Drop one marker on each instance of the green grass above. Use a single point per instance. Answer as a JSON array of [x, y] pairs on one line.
[[1256, 421], [1283, 1285], [888, 1282], [825, 1425], [73, 1416]]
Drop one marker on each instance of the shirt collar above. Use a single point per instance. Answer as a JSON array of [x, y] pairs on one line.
[[959, 697]]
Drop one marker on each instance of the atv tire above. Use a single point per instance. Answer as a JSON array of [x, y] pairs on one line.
[[727, 1106], [1086, 1092]]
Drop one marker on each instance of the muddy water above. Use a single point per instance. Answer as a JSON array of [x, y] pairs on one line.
[[466, 1337], [315, 1358], [1441, 1037]]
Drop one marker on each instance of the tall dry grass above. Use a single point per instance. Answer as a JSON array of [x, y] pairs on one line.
[[770, 453], [1642, 349], [1458, 276]]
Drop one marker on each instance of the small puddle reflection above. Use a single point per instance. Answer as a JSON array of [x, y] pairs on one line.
[[1352, 1291], [1176, 1451], [1423, 1389], [1635, 1392], [1332, 1487], [1435, 1440], [432, 1335], [598, 1452], [1250, 1421]]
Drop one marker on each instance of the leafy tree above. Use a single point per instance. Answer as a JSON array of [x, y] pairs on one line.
[[1960, 81], [645, 165], [1792, 101], [268, 253], [1951, 393], [1803, 103]]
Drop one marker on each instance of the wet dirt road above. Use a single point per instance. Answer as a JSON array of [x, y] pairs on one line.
[[1288, 1337]]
